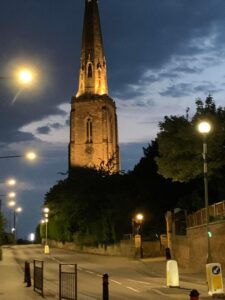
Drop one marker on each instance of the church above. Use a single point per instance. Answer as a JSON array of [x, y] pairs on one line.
[[93, 118]]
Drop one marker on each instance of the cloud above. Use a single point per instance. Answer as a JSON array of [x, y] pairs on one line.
[[43, 130], [56, 125]]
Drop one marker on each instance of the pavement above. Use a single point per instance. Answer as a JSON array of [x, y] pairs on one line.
[[12, 286]]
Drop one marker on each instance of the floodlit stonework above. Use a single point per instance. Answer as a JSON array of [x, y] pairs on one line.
[[93, 119]]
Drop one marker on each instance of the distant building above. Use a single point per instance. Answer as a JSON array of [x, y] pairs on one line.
[[93, 119]]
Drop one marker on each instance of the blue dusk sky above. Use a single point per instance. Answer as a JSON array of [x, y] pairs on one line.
[[161, 55]]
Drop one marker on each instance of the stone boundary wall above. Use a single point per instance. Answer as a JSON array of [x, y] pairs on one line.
[[191, 250], [124, 248]]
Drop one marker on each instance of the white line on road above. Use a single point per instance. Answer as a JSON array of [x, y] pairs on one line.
[[115, 281], [99, 275], [144, 282], [130, 288], [90, 272]]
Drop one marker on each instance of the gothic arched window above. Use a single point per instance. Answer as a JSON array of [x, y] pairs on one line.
[[89, 71], [89, 130]]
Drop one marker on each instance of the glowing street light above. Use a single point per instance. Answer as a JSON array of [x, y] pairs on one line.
[[139, 217], [25, 76], [12, 203], [204, 128], [137, 226], [11, 181], [31, 155], [11, 194], [28, 156], [18, 209], [46, 212]]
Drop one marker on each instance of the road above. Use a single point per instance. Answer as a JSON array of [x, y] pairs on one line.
[[128, 278]]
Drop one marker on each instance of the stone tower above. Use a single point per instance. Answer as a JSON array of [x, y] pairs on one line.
[[93, 119]]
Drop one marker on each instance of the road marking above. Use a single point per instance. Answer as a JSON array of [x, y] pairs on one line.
[[144, 282], [99, 275], [56, 259], [79, 268], [115, 281], [90, 272], [130, 288]]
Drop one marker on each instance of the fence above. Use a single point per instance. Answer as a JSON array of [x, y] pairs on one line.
[[38, 276], [216, 212], [68, 281]]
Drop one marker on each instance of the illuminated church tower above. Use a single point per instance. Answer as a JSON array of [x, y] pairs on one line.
[[93, 119]]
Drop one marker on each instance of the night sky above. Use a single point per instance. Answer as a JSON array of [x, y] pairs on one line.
[[161, 55]]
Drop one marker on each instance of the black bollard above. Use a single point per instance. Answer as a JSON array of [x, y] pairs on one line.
[[27, 277], [105, 279], [168, 254]]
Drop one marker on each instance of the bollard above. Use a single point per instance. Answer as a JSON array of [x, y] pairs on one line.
[[168, 254], [105, 279], [27, 277], [194, 295]]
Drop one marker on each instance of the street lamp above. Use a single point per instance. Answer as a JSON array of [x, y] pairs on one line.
[[28, 155], [204, 128], [11, 194], [46, 212], [22, 76], [11, 182], [25, 76], [16, 211], [137, 227]]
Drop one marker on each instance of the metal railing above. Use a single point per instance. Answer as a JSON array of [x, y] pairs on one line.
[[39, 277], [216, 212], [68, 281]]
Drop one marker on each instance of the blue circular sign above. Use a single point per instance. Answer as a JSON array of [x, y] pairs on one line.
[[216, 270]]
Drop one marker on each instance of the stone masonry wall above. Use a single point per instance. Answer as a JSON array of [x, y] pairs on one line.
[[191, 250], [124, 248]]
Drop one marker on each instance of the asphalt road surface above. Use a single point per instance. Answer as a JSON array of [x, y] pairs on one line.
[[128, 278]]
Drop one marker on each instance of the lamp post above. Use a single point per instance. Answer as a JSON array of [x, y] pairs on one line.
[[46, 212], [204, 128], [16, 211], [137, 226], [12, 204]]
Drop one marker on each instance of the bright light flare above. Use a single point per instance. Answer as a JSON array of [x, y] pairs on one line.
[[139, 217], [11, 181], [30, 155], [12, 203], [31, 237], [11, 195], [46, 210], [25, 77], [19, 209], [204, 127]]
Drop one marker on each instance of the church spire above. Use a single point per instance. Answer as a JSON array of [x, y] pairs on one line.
[[93, 75]]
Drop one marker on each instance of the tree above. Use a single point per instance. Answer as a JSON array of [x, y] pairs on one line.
[[180, 145], [87, 206]]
